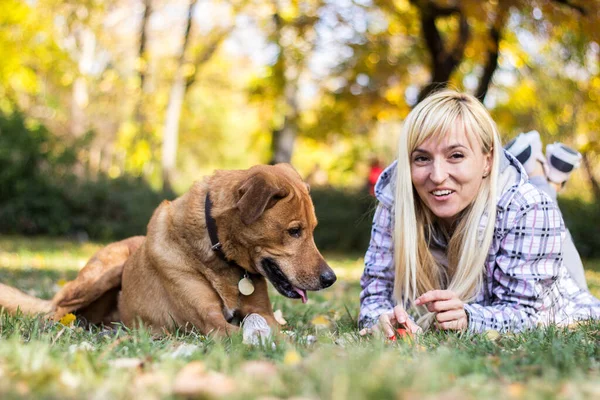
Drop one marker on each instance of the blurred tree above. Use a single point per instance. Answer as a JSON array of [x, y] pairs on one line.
[[186, 73], [401, 50], [173, 113], [291, 30], [142, 67], [32, 61]]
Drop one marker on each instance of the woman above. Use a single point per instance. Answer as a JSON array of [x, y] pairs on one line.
[[435, 249]]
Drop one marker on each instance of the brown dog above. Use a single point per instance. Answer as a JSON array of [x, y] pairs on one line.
[[263, 220]]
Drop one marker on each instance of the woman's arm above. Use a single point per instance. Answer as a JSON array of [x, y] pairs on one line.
[[527, 265], [377, 281]]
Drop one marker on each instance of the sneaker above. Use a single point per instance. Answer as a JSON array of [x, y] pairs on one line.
[[562, 160], [527, 148]]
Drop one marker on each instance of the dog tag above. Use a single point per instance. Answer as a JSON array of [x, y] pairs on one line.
[[246, 286]]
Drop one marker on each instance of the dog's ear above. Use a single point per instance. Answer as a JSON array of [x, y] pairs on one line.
[[256, 196]]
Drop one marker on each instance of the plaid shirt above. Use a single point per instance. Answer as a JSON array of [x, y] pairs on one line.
[[525, 281]]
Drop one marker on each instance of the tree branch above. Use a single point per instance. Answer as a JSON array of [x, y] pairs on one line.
[[143, 59], [205, 55], [443, 60], [491, 63], [575, 7]]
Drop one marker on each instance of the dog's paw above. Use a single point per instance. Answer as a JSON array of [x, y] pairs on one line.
[[255, 330]]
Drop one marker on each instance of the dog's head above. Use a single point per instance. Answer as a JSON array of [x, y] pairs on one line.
[[272, 231]]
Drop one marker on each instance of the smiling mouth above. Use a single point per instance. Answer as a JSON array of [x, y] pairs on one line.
[[281, 282], [442, 194]]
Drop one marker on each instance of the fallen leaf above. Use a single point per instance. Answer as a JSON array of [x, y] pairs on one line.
[[69, 380], [516, 390], [279, 317], [492, 334], [259, 370], [184, 350], [68, 319], [320, 321], [292, 357], [151, 385], [194, 380], [83, 346], [126, 363]]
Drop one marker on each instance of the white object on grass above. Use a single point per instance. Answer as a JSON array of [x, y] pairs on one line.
[[255, 330]]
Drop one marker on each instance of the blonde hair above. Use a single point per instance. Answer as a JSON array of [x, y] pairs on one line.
[[417, 271]]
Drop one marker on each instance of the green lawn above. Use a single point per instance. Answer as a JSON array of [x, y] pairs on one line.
[[323, 358]]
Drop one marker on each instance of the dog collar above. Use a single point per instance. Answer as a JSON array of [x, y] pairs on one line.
[[211, 226], [245, 285]]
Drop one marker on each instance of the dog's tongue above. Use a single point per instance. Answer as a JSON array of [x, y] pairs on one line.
[[302, 294]]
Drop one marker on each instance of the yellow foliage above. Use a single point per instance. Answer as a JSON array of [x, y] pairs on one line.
[[68, 319], [292, 357], [395, 94], [320, 321], [188, 69]]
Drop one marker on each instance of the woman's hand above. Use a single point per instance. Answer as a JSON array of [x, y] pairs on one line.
[[388, 322], [449, 309]]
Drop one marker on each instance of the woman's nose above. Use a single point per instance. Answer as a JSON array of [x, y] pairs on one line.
[[439, 172]]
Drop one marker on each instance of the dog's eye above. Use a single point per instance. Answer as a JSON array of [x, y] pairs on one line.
[[295, 232]]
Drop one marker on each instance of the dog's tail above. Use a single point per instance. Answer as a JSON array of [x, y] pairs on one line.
[[12, 299]]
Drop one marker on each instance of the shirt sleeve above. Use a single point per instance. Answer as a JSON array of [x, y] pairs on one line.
[[377, 281], [525, 271]]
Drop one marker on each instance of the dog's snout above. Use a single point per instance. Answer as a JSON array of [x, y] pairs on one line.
[[327, 278]]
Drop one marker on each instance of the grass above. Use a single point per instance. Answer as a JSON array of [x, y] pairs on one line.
[[323, 358]]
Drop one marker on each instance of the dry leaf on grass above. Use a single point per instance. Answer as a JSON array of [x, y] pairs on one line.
[[259, 370], [516, 390], [151, 385], [126, 363], [83, 346], [69, 380], [292, 357], [68, 319], [184, 350], [194, 380], [279, 317], [492, 334], [320, 321]]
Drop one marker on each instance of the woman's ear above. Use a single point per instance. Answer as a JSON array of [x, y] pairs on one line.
[[487, 159]]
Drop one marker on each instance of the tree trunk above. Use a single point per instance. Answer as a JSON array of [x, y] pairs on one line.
[[171, 126], [142, 67], [171, 131], [444, 60], [87, 51], [79, 102], [282, 144], [587, 166], [491, 63], [283, 138]]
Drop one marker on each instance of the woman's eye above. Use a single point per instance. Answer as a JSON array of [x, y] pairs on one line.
[[295, 232], [420, 159], [457, 156]]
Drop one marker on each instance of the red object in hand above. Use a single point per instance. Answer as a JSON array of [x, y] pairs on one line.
[[401, 333]]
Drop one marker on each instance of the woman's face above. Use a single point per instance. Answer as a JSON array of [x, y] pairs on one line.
[[447, 173]]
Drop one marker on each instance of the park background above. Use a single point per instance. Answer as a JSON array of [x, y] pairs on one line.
[[109, 107]]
